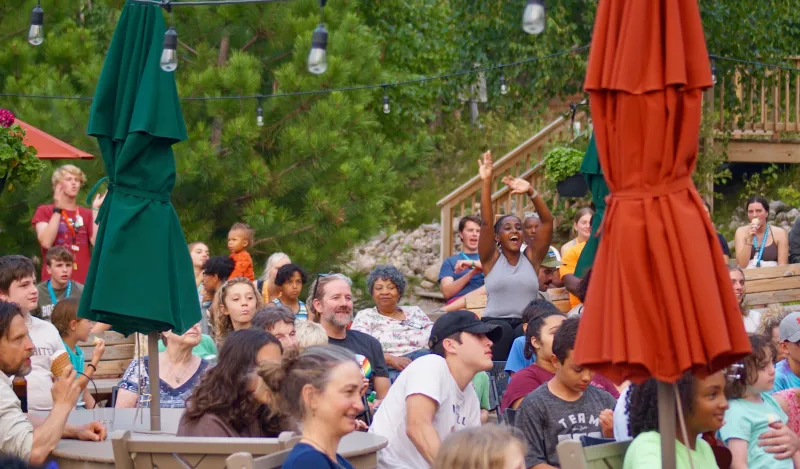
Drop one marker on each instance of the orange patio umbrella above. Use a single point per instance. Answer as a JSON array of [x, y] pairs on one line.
[[49, 147], [660, 302]]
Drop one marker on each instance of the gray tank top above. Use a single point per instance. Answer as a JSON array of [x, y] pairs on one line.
[[509, 288]]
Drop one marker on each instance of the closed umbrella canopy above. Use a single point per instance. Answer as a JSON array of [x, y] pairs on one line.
[[140, 278], [660, 301], [593, 174]]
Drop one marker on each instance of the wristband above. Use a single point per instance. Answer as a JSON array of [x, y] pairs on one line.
[[535, 193], [93, 367], [56, 210]]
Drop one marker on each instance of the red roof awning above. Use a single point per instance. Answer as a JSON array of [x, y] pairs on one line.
[[49, 147]]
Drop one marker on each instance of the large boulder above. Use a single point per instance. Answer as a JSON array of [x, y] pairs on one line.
[[432, 272]]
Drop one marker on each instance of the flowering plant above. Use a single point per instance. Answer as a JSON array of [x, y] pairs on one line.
[[18, 162]]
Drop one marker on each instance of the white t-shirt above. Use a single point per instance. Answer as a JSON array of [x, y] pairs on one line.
[[752, 321], [46, 342], [429, 376]]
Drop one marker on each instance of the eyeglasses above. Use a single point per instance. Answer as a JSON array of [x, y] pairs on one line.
[[316, 284]]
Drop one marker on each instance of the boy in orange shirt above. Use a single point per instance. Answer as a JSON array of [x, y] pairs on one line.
[[241, 236]]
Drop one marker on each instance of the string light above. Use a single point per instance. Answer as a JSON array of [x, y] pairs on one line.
[[36, 31], [318, 56], [169, 56], [714, 71], [533, 17], [503, 86], [386, 108], [260, 115]]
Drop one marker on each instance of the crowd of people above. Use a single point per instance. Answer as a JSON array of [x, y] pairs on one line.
[[261, 360]]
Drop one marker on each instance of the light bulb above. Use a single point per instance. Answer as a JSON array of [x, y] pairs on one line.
[[533, 17], [503, 86], [576, 127], [169, 56], [318, 56], [260, 117], [36, 31], [386, 108], [714, 71]]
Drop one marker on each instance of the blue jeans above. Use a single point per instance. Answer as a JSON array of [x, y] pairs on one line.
[[393, 374]]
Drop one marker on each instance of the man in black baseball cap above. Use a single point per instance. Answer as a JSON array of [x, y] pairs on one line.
[[434, 395]]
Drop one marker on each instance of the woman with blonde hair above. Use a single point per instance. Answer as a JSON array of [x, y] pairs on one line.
[[485, 447], [266, 284], [310, 334], [234, 306]]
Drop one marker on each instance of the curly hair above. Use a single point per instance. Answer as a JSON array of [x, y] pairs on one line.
[[484, 447], [763, 355], [642, 403], [285, 273], [222, 322], [387, 272], [771, 318], [272, 314], [500, 221], [225, 389], [536, 312]]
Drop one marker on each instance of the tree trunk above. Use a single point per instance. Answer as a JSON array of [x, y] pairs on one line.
[[216, 126]]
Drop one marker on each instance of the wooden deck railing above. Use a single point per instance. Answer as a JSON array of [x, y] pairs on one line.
[[763, 105], [526, 161]]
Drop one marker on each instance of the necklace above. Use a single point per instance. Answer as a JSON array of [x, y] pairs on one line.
[[319, 448], [179, 378]]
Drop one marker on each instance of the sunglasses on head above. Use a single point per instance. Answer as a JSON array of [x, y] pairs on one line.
[[320, 276]]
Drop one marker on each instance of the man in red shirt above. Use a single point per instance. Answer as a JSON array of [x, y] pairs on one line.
[[63, 223]]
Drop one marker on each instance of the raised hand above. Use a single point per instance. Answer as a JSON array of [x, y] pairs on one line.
[[517, 185], [59, 200], [485, 166], [98, 200]]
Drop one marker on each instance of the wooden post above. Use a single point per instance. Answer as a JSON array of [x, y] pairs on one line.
[[446, 244], [666, 424], [155, 382]]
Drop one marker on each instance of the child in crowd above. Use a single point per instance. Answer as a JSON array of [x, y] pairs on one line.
[[787, 371], [309, 334], [290, 280], [235, 304], [72, 330], [770, 324], [566, 407], [517, 358], [486, 447], [539, 336], [703, 404], [239, 238], [753, 410], [216, 271], [59, 264]]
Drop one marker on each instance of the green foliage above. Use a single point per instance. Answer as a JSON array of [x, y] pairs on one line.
[[561, 163], [18, 162], [763, 183], [790, 195]]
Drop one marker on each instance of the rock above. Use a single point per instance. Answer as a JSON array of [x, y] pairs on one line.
[[778, 206], [781, 218], [365, 264], [793, 214], [427, 284], [418, 245], [380, 238], [432, 272]]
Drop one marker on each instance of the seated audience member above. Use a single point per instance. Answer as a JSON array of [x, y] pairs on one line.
[[266, 284], [572, 254], [530, 226], [789, 400], [18, 437], [331, 301], [18, 285], [321, 388], [752, 318], [231, 400], [753, 410], [290, 280], [280, 322], [511, 273], [180, 371], [402, 331], [758, 244], [481, 384], [548, 273], [787, 371], [621, 432], [540, 335], [310, 334], [703, 404], [206, 349], [723, 243], [434, 395], [58, 262], [582, 226], [462, 274], [794, 243], [517, 358], [580, 294], [770, 324], [548, 414], [235, 304], [73, 330], [199, 254], [486, 447], [216, 271]]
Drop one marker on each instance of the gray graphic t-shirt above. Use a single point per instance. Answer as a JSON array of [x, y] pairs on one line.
[[545, 420]]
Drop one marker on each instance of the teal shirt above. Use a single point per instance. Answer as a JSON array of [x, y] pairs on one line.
[[76, 357], [746, 421], [204, 349]]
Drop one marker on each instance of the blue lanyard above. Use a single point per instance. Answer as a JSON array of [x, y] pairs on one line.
[[464, 255], [53, 297], [760, 253]]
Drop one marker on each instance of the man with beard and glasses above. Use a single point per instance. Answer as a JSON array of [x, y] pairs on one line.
[[18, 438], [331, 301]]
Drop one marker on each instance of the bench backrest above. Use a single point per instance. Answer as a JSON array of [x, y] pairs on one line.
[[558, 296], [158, 451], [118, 355], [768, 285], [572, 455], [246, 461]]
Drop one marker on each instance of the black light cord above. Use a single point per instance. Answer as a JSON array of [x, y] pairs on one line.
[[758, 64], [170, 3], [93, 385]]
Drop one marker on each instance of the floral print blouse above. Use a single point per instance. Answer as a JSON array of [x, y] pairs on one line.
[[396, 337]]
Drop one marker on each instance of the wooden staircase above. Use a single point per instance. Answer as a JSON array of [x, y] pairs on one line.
[[526, 161]]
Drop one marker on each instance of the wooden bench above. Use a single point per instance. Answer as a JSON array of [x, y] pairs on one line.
[[769, 285], [558, 296], [118, 355], [572, 455]]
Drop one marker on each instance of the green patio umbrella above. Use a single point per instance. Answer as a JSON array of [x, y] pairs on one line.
[[597, 185], [141, 277]]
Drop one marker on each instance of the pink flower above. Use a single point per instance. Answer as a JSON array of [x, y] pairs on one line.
[[6, 118]]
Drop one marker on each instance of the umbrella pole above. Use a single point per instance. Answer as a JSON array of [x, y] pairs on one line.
[[666, 424], [155, 383]]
